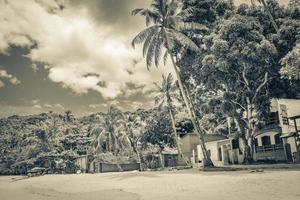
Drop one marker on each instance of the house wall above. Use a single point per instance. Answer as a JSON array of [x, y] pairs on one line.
[[218, 150], [106, 167], [189, 143], [292, 143], [82, 163]]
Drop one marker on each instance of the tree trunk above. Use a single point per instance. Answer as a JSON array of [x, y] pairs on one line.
[[135, 150], [270, 15], [175, 135], [162, 164], [206, 158], [248, 153]]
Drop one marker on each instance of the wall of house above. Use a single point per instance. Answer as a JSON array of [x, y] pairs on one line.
[[106, 167], [292, 143], [189, 143], [82, 163], [218, 150]]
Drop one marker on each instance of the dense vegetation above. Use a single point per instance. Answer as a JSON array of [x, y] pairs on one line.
[[229, 61]]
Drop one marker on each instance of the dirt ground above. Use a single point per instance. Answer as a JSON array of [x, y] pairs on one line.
[[174, 185]]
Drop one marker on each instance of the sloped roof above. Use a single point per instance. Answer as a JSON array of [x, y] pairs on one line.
[[209, 137]]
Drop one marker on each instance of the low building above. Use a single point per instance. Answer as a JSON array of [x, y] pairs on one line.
[[277, 140], [83, 162], [189, 143]]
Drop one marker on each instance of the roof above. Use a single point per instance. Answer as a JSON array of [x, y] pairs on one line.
[[209, 137], [168, 150], [214, 137], [286, 135], [276, 129], [295, 117]]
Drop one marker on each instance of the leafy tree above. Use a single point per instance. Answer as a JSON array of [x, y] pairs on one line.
[[272, 20], [158, 132], [291, 64], [165, 23], [239, 63]]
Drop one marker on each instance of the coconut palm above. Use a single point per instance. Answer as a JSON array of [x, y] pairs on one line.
[[263, 2], [134, 127], [166, 95], [105, 139], [164, 21], [107, 136]]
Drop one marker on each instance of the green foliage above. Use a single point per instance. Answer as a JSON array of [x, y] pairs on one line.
[[158, 130], [165, 26], [291, 64]]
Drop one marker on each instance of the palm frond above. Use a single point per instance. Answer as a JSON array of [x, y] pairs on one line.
[[187, 12], [182, 39], [148, 41], [165, 58], [170, 79], [158, 87], [151, 52], [160, 6], [140, 37], [151, 16], [158, 49]]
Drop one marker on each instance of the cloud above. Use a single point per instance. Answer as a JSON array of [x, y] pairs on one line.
[[82, 50], [4, 75], [37, 106], [35, 101]]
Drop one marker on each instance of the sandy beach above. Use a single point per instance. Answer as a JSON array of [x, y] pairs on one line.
[[173, 185]]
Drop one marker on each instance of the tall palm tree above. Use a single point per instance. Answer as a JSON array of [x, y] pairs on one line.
[[263, 2], [134, 127], [167, 93], [164, 21], [107, 137]]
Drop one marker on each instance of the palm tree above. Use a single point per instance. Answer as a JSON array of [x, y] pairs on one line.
[[164, 23], [105, 138], [263, 2], [134, 128], [167, 92], [105, 135]]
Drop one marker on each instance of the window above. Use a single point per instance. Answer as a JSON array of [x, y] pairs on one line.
[[219, 154], [255, 142], [235, 144], [278, 140], [266, 140]]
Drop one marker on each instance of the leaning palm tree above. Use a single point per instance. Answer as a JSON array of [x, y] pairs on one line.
[[166, 95], [164, 21], [263, 2]]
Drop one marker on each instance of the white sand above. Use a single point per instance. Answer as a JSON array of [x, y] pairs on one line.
[[183, 185]]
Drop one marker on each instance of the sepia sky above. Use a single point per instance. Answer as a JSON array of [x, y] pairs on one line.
[[78, 58]]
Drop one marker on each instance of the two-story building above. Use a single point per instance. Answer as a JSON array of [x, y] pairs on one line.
[[276, 140]]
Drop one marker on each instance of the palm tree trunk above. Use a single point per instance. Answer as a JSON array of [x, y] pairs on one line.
[[200, 130], [135, 150], [206, 158], [270, 15], [175, 135]]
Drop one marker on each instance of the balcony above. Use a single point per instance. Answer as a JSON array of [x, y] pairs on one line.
[[273, 152], [268, 148]]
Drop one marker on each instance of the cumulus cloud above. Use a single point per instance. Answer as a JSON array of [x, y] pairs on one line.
[[4, 75], [78, 52], [37, 106]]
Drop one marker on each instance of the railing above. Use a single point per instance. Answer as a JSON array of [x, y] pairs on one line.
[[268, 148]]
